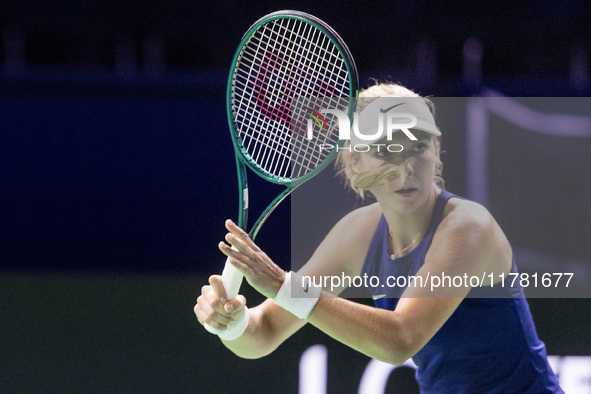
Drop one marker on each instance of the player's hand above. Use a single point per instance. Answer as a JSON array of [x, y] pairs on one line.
[[258, 269], [214, 308]]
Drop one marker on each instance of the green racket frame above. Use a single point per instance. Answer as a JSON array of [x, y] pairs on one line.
[[242, 157]]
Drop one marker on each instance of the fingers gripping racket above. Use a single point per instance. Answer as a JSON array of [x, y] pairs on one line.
[[289, 66]]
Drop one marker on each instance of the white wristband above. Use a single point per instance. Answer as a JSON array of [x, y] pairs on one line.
[[237, 328], [298, 295]]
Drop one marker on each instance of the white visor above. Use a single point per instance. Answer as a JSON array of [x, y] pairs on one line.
[[394, 113]]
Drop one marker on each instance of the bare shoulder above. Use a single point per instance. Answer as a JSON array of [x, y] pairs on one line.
[[468, 233], [459, 213], [361, 219], [344, 248], [357, 227]]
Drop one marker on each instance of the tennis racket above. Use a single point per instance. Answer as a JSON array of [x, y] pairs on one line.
[[288, 67]]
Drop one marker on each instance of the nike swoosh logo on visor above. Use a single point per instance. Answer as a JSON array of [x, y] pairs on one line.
[[382, 110]]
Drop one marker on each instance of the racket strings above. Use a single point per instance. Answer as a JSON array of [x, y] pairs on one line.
[[270, 144], [284, 60], [265, 143], [307, 42], [301, 157]]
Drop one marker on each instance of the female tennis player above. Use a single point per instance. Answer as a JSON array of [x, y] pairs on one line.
[[464, 335]]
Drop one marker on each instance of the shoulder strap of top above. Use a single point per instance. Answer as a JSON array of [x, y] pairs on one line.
[[438, 209]]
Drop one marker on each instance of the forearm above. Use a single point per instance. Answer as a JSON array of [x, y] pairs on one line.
[[268, 327], [251, 344], [374, 332]]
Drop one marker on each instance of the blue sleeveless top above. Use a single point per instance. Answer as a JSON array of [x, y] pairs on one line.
[[488, 345]]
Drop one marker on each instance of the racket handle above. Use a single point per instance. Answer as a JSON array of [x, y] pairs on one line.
[[232, 279]]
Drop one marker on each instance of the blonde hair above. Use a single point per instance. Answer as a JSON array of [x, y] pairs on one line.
[[359, 182]]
